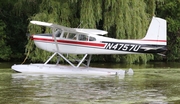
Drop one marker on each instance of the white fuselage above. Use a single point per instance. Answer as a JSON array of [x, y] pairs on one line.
[[88, 41], [102, 45]]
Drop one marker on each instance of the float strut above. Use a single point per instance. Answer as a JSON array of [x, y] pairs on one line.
[[66, 60], [89, 60], [82, 60], [50, 58]]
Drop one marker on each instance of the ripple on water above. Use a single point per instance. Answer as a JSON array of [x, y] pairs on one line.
[[45, 89]]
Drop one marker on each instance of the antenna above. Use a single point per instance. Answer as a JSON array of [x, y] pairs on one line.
[[85, 25], [80, 24]]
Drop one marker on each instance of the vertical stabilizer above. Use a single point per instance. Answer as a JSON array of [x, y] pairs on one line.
[[157, 31]]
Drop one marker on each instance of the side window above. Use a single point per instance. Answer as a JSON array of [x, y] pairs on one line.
[[92, 39], [65, 35], [82, 37], [72, 36]]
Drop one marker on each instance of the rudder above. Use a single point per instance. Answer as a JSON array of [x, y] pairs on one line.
[[157, 31]]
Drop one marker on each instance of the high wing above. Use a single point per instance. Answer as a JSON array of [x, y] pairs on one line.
[[91, 31], [51, 25], [73, 30]]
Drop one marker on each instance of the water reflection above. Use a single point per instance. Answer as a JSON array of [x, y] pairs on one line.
[[156, 85], [46, 89]]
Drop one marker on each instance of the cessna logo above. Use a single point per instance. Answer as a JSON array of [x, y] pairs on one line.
[[123, 47]]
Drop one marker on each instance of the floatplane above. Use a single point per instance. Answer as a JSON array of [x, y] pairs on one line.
[[65, 40]]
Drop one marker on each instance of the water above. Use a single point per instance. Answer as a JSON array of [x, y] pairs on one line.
[[159, 84]]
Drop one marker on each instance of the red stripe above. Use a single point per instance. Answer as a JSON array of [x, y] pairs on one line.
[[154, 40], [71, 42]]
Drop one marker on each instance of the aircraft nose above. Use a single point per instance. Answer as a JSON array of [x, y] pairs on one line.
[[31, 37]]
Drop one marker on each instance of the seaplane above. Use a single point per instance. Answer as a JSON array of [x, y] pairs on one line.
[[87, 42]]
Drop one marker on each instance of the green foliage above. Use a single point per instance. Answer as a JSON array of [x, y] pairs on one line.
[[14, 14], [169, 9], [52, 11], [123, 19], [127, 19], [5, 51]]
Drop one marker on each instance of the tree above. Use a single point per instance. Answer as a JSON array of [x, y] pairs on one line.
[[169, 9], [128, 19], [14, 15], [5, 51], [121, 18]]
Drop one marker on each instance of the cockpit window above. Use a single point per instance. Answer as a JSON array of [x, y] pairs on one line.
[[92, 39], [57, 33]]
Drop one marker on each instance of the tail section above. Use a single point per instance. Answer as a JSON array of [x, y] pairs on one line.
[[157, 31]]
